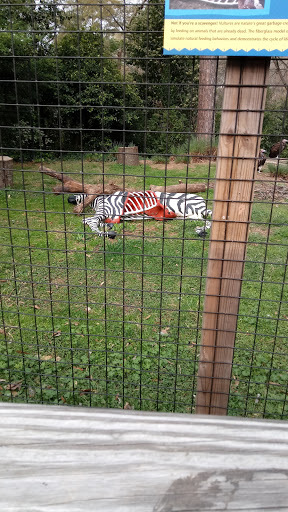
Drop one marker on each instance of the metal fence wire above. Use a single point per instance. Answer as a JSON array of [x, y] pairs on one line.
[[116, 321]]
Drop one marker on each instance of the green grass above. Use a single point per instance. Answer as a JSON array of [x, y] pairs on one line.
[[278, 170], [260, 361], [110, 322]]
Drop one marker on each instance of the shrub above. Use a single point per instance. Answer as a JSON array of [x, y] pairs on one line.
[[278, 170]]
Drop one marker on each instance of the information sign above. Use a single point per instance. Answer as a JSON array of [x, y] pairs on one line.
[[226, 27]]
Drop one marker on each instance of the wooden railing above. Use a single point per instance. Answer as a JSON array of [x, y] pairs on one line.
[[64, 459]]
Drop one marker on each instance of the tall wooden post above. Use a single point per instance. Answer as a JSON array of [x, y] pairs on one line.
[[239, 144]]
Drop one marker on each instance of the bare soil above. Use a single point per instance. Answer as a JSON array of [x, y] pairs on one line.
[[266, 187], [173, 166]]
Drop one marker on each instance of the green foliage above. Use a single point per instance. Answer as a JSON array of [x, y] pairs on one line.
[[202, 146], [77, 98], [19, 90], [94, 15], [89, 88], [275, 123], [278, 170], [191, 148], [102, 93], [165, 129], [167, 88]]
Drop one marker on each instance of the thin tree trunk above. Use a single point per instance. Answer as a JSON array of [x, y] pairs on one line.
[[206, 97]]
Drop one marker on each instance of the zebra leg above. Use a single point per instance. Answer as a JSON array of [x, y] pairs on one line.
[[109, 233], [207, 214], [202, 231], [97, 221]]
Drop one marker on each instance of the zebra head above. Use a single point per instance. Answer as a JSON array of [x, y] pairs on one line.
[[99, 218], [77, 199]]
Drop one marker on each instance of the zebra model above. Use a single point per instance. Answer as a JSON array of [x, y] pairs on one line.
[[112, 209]]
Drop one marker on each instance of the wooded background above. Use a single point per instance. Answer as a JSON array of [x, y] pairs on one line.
[[107, 58]]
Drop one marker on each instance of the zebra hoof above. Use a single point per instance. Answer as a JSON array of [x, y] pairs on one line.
[[201, 232], [72, 200], [111, 234]]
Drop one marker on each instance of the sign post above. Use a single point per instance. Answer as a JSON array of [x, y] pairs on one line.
[[239, 144], [248, 32]]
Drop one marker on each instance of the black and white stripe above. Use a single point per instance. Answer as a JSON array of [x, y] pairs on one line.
[[185, 206]]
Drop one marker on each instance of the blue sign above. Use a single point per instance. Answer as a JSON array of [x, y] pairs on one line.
[[226, 27]]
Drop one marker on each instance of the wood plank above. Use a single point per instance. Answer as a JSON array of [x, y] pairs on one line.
[[74, 459], [239, 143]]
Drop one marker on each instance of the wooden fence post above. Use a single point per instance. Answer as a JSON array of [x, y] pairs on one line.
[[239, 144], [6, 171]]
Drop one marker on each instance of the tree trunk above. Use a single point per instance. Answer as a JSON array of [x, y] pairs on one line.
[[128, 155], [74, 187], [206, 97], [6, 171]]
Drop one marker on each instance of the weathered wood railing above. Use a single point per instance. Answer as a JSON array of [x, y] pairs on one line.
[[77, 459]]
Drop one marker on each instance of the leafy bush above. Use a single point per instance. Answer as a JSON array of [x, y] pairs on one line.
[[278, 170], [275, 123], [194, 147]]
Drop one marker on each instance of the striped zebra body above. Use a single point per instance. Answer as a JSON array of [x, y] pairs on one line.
[[185, 206], [112, 209]]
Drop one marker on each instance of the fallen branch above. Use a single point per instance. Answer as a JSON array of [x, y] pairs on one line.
[[75, 187]]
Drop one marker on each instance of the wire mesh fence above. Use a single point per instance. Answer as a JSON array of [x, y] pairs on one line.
[[115, 321]]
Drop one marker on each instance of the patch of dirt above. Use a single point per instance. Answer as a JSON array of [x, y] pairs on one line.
[[267, 189], [258, 230], [170, 166], [58, 282], [173, 166]]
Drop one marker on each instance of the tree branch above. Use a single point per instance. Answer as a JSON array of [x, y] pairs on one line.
[[75, 187]]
